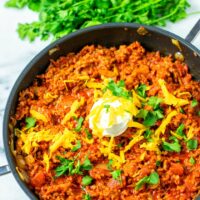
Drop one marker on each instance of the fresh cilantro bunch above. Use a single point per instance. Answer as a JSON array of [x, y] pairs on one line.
[[61, 17]]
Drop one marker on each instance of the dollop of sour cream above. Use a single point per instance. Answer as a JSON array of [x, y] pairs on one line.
[[110, 116]]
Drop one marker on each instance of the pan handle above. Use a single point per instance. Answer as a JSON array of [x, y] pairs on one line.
[[4, 170], [193, 33]]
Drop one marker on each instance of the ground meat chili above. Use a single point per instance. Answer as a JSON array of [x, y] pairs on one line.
[[60, 156]]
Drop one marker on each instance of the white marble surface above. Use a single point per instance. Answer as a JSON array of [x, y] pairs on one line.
[[15, 55]]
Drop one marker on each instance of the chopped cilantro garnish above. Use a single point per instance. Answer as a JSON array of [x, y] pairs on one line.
[[109, 165], [192, 144], [120, 144], [180, 129], [141, 90], [153, 179], [150, 119], [154, 102], [86, 165], [86, 180], [192, 160], [142, 113], [194, 103], [117, 174], [173, 147], [89, 135], [107, 107], [158, 163], [30, 122], [118, 89], [77, 146], [69, 167], [182, 111], [147, 134], [66, 166], [198, 113], [79, 124], [141, 182], [87, 197], [158, 113]]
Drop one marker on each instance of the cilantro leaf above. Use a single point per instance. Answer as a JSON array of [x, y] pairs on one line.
[[69, 167], [142, 113], [182, 111], [192, 144], [158, 163], [174, 146], [154, 102], [86, 180], [86, 165], [194, 103], [87, 197], [107, 107], [141, 182], [76, 169], [158, 113], [153, 179], [109, 165], [77, 146], [30, 122], [141, 90], [66, 165], [118, 89], [117, 174], [192, 160], [89, 135], [147, 134], [180, 129], [79, 124], [150, 119]]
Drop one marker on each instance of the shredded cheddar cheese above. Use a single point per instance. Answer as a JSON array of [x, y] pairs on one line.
[[190, 133], [165, 122], [38, 116], [77, 78], [136, 138], [46, 161], [31, 138], [136, 125], [75, 106], [48, 95], [169, 98]]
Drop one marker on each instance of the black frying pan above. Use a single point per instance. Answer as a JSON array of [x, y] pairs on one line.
[[112, 34]]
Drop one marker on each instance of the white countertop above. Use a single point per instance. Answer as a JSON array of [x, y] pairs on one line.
[[15, 55]]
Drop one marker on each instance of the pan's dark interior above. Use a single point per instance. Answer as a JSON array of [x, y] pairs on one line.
[[106, 35]]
